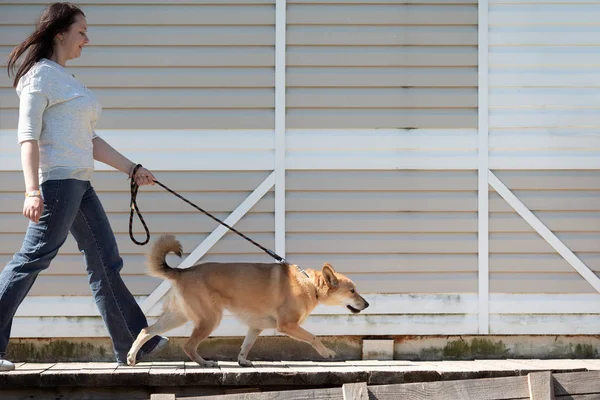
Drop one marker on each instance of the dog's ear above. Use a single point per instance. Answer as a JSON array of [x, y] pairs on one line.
[[329, 275]]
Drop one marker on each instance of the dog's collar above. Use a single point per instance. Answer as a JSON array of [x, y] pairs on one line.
[[283, 261], [308, 276]]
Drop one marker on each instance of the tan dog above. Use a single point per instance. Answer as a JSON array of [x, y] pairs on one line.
[[263, 296]]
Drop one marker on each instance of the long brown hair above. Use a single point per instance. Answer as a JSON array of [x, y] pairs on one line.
[[56, 18]]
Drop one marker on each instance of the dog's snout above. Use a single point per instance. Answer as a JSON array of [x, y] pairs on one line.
[[366, 303]]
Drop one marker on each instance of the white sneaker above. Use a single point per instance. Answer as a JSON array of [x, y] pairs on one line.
[[6, 365]]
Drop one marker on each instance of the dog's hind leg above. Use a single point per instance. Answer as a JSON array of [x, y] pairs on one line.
[[167, 321], [201, 331], [249, 341]]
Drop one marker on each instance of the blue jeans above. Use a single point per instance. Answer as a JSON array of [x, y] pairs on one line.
[[72, 205]]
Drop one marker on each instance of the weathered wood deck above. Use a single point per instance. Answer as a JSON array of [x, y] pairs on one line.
[[186, 379]]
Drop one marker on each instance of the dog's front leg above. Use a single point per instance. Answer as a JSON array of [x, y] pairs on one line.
[[249, 341], [295, 331]]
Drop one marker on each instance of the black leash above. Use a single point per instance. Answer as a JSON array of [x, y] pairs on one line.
[[133, 207]]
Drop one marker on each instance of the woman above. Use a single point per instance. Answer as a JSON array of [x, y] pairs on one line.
[[57, 115]]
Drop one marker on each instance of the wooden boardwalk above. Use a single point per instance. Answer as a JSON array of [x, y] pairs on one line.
[[179, 380]]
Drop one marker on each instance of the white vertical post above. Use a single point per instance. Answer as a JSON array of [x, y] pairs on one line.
[[280, 70], [483, 168]]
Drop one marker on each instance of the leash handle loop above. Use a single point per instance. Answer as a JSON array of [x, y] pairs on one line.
[[133, 207]]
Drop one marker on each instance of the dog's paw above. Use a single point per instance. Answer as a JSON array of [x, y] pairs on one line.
[[327, 353], [208, 364], [131, 359], [244, 362]]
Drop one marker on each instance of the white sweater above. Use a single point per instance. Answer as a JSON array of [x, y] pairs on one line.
[[60, 113]]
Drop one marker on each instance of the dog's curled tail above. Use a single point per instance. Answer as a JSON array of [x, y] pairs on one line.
[[157, 263]]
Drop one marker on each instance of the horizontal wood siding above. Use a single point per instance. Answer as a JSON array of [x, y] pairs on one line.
[[216, 192], [353, 64], [166, 66], [568, 203], [391, 231], [544, 84]]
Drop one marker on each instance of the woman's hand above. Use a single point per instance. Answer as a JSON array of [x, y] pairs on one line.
[[33, 207], [144, 177]]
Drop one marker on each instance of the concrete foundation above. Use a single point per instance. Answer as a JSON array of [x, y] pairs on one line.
[[414, 348]]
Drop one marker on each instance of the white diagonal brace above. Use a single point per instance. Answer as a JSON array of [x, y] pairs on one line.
[[540, 228], [213, 238]]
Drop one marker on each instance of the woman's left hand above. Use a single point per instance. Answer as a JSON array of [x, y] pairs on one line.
[[144, 177]]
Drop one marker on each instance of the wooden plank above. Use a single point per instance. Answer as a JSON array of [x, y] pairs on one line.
[[515, 303], [377, 77], [389, 35], [549, 15], [128, 35], [191, 77], [120, 14], [577, 383], [550, 180], [163, 98], [530, 243], [357, 201], [379, 98], [545, 160], [235, 2], [574, 221], [581, 76], [395, 2], [556, 365], [355, 391], [528, 36], [543, 118], [200, 2], [539, 283], [364, 118], [176, 56], [377, 56], [344, 222], [546, 56], [378, 14], [378, 180], [309, 371], [313, 394], [381, 243], [476, 389], [551, 200], [541, 386], [172, 119], [396, 144], [544, 97]]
